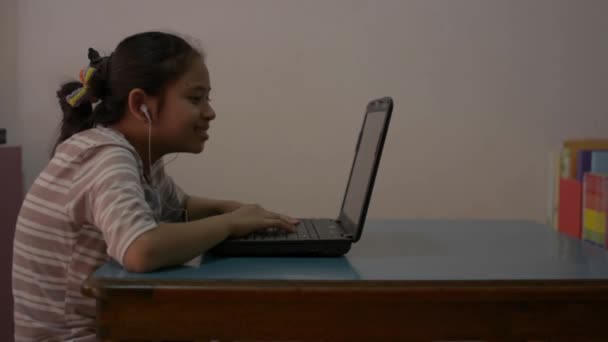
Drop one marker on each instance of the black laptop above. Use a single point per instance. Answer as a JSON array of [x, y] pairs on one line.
[[328, 237]]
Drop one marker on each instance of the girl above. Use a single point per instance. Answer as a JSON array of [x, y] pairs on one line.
[[105, 194]]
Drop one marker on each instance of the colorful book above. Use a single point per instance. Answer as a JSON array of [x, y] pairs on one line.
[[604, 201], [595, 208], [591, 161], [583, 164], [570, 153], [599, 161], [570, 207]]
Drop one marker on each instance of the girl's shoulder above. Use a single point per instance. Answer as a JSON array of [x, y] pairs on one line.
[[98, 136], [91, 141], [97, 147]]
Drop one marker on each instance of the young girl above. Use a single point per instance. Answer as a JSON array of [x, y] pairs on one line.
[[105, 194]]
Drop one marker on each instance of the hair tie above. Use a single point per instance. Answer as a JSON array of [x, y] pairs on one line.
[[77, 96]]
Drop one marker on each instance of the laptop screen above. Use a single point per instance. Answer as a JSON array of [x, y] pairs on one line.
[[363, 167]]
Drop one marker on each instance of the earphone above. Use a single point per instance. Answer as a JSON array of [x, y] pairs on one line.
[[144, 110]]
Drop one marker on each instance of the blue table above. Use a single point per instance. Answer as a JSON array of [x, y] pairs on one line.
[[405, 279]]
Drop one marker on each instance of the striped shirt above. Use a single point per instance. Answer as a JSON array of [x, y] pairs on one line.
[[87, 206]]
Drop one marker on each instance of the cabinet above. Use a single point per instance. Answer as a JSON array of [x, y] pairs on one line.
[[11, 197]]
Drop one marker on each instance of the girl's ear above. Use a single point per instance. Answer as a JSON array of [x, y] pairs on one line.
[[137, 102]]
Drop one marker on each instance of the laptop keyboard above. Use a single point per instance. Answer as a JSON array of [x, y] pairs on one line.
[[305, 230]]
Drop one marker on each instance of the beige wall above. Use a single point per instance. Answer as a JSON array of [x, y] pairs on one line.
[[484, 91], [8, 120], [8, 73]]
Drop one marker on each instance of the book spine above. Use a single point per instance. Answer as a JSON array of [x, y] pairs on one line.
[[599, 161], [591, 229], [570, 207]]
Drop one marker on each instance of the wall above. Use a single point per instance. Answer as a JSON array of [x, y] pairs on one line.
[[484, 91], [8, 69]]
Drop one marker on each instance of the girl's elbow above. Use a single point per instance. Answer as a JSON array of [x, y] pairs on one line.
[[138, 257]]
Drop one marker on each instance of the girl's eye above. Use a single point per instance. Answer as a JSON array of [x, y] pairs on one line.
[[195, 99]]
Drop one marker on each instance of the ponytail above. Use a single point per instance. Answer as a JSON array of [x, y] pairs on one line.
[[75, 119]]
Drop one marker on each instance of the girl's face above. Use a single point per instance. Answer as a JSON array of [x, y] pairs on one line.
[[184, 119]]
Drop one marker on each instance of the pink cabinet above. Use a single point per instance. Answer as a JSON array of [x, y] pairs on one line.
[[11, 196]]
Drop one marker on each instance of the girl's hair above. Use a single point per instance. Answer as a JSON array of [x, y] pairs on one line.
[[149, 60]]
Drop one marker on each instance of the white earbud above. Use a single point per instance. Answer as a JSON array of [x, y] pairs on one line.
[[144, 109]]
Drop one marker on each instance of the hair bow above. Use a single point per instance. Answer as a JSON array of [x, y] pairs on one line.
[[76, 97]]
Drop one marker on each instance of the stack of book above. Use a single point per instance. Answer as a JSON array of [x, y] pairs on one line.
[[580, 204], [595, 208]]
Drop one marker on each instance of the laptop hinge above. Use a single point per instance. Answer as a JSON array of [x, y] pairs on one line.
[[344, 233]]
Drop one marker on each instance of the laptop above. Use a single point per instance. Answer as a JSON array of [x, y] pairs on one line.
[[328, 237]]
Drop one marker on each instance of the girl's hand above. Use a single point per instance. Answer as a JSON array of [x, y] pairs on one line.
[[225, 207], [251, 217]]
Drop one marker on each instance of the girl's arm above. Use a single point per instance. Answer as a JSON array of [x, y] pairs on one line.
[[200, 207], [171, 244], [175, 243]]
